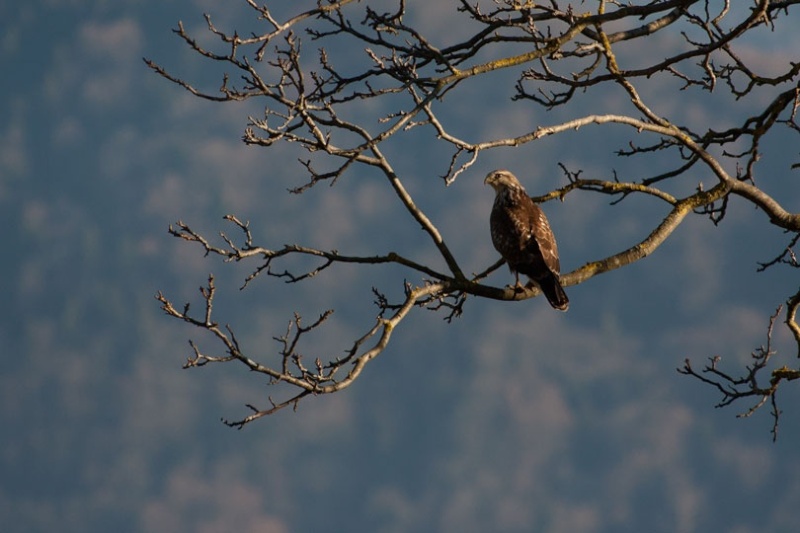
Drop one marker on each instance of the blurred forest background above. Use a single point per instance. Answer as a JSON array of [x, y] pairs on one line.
[[511, 418]]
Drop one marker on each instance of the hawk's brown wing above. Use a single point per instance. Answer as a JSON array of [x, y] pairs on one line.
[[522, 235]]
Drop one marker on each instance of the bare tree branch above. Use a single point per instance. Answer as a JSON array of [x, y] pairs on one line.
[[375, 78], [749, 385]]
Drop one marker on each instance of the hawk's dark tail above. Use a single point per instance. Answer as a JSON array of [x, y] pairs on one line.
[[554, 292]]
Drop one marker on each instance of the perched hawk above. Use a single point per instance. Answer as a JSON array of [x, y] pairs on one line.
[[522, 235]]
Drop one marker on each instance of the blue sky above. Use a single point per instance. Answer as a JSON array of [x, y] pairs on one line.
[[513, 418]]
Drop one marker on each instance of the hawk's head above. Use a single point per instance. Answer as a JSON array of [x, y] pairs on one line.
[[501, 180]]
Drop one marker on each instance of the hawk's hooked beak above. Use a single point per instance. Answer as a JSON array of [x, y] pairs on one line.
[[491, 180]]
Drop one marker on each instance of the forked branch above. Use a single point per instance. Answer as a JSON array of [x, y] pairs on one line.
[[758, 382]]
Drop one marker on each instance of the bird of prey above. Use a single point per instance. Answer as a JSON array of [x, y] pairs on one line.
[[522, 235]]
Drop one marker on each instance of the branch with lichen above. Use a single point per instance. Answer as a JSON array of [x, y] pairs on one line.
[[322, 377]]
